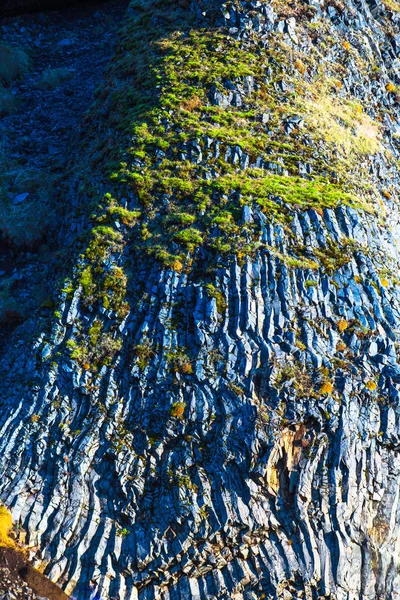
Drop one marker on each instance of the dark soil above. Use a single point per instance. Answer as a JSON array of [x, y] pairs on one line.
[[22, 582], [15, 7]]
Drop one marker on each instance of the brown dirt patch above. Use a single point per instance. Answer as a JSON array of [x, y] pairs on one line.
[[25, 582]]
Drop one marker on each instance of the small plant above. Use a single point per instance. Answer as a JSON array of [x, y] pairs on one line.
[[300, 345], [310, 283], [122, 532], [93, 356], [144, 353], [179, 361], [236, 389], [214, 292], [127, 217], [300, 379], [189, 238], [94, 332]]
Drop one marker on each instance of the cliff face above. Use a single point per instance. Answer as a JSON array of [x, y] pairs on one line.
[[214, 413]]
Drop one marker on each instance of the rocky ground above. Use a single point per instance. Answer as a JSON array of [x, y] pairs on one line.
[[19, 581], [12, 7], [37, 139], [12, 586]]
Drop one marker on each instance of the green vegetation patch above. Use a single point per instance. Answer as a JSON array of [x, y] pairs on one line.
[[207, 124], [202, 137]]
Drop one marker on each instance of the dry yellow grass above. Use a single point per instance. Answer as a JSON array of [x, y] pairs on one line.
[[392, 5], [342, 122], [5, 528]]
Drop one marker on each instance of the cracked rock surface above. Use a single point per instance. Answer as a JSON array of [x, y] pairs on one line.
[[238, 444]]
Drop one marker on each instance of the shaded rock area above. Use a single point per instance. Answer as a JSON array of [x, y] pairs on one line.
[[37, 140], [13, 7]]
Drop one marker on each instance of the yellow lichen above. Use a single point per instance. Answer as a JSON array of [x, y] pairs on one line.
[[371, 385], [384, 282]]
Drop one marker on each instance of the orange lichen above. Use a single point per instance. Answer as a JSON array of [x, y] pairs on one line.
[[326, 388], [300, 66], [178, 409], [342, 324], [186, 368], [177, 266], [371, 385]]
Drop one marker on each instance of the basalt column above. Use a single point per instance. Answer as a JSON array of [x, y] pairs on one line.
[[213, 411]]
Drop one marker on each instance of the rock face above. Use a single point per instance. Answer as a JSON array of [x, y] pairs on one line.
[[215, 410]]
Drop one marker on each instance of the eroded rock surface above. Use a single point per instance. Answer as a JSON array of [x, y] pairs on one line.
[[239, 440]]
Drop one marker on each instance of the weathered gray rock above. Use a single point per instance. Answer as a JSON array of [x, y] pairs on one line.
[[281, 478]]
